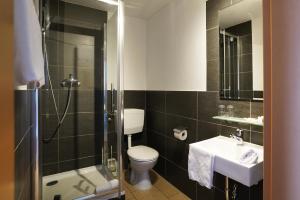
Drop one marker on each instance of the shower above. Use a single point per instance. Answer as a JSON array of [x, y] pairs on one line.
[[68, 83], [80, 139]]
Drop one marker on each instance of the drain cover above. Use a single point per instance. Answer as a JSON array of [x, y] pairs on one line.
[[57, 197], [52, 183]]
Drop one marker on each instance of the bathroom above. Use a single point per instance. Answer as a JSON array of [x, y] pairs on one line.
[[137, 99]]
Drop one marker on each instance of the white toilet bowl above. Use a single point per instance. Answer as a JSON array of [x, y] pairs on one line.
[[142, 159]]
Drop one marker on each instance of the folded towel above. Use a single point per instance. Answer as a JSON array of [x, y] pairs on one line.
[[249, 157], [201, 166], [112, 184], [29, 62]]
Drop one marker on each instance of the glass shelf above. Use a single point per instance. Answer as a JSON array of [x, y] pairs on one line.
[[252, 121]]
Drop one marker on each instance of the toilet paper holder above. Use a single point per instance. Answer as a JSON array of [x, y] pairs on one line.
[[180, 133]]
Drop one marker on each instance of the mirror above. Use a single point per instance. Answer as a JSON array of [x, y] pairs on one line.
[[241, 51]]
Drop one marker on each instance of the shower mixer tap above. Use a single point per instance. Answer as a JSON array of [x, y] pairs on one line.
[[70, 82]]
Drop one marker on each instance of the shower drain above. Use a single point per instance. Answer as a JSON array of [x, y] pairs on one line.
[[51, 183], [57, 197]]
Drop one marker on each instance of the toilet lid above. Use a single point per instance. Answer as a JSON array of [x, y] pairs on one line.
[[142, 153]]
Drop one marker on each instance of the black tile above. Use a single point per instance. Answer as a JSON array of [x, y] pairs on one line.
[[134, 99], [246, 44], [257, 128], [182, 103], [81, 101], [256, 191], [21, 115], [246, 81], [219, 181], [156, 100], [246, 63], [233, 125], [52, 50], [212, 44], [177, 152], [241, 191], [54, 76], [258, 94], [160, 166], [257, 109], [212, 8], [79, 163], [207, 105], [47, 105], [207, 130], [178, 121], [48, 125], [78, 147], [246, 94], [179, 178], [257, 138], [139, 139], [50, 169], [213, 69], [22, 164], [204, 193], [50, 152], [219, 195], [157, 142], [156, 121], [80, 124]]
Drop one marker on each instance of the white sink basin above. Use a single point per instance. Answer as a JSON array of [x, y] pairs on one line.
[[227, 154]]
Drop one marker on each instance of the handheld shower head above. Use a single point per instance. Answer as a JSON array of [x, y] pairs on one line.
[[70, 82]]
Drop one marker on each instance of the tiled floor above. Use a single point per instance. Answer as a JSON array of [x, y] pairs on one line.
[[161, 190]]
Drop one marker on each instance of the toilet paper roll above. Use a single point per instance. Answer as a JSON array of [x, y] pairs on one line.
[[180, 135]]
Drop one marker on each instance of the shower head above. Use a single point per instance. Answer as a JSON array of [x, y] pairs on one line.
[[70, 82]]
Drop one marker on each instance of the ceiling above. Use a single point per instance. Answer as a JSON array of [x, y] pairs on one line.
[[133, 8], [143, 8]]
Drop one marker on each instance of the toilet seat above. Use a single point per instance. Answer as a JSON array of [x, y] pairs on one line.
[[142, 153]]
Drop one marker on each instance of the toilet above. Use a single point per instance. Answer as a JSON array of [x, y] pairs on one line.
[[142, 158]]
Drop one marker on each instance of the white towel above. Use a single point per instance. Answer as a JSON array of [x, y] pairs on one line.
[[29, 61], [112, 184], [201, 166]]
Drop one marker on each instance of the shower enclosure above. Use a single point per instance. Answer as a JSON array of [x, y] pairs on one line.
[[81, 106]]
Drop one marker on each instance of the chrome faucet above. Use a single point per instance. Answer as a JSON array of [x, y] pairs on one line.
[[238, 136]]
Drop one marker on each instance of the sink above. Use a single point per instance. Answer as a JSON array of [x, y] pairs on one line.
[[227, 154]]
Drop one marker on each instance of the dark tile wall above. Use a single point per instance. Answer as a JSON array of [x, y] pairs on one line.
[[194, 110], [74, 47], [23, 130]]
